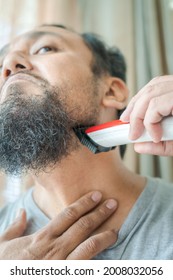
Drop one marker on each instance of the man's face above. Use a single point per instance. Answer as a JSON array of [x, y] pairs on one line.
[[46, 88]]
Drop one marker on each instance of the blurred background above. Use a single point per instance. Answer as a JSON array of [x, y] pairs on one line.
[[142, 29]]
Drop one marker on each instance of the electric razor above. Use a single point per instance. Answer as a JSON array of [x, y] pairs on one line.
[[105, 137]]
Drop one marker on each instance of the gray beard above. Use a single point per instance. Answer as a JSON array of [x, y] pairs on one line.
[[35, 133]]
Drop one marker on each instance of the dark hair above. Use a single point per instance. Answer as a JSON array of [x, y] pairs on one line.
[[105, 60]]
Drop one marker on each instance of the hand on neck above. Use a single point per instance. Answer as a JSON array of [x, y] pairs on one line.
[[83, 172]]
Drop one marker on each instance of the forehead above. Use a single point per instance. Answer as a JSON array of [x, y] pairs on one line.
[[69, 38]]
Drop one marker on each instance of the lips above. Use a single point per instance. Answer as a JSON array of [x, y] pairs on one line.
[[17, 77]]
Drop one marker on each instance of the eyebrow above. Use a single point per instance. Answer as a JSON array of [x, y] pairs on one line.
[[31, 36], [37, 34]]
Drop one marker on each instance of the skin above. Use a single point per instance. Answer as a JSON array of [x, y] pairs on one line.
[[146, 110], [69, 64], [73, 221]]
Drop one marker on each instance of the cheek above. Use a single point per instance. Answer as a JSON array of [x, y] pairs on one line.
[[63, 70], [83, 101], [75, 80]]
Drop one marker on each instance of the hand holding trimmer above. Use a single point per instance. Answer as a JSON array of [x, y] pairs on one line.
[[105, 137]]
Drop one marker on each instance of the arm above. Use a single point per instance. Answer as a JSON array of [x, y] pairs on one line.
[[146, 110], [68, 236]]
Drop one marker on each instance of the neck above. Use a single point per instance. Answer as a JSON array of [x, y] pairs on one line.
[[83, 172]]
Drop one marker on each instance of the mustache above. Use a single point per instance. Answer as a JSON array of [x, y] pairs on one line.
[[44, 82]]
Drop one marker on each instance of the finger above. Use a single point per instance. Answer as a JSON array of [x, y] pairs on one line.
[[17, 228], [128, 111], [152, 121], [136, 128], [125, 116], [142, 106], [72, 213], [93, 246], [164, 148], [161, 79], [159, 107], [155, 131], [147, 94], [86, 225], [158, 85]]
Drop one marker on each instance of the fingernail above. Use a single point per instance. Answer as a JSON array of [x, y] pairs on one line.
[[122, 116], [111, 204], [19, 213], [96, 196]]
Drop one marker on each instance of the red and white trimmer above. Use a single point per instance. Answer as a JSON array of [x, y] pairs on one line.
[[105, 137]]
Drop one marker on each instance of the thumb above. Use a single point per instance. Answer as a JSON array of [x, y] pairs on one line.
[[17, 228]]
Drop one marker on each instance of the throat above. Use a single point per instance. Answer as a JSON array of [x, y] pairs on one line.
[[54, 192]]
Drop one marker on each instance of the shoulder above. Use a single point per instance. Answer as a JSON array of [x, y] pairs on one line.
[[158, 186], [161, 194]]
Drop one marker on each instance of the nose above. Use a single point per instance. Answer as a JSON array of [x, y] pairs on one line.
[[15, 62]]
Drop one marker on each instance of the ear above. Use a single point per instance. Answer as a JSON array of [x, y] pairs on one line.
[[116, 95]]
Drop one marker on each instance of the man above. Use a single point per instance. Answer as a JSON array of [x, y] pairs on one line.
[[52, 81]]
